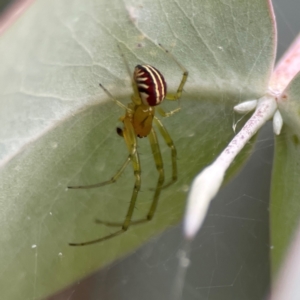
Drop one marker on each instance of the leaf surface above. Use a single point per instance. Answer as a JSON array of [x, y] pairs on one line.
[[285, 207], [58, 127]]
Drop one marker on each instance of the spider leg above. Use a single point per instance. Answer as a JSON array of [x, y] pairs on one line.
[[136, 98], [168, 140], [161, 178], [112, 97], [185, 74], [130, 139], [160, 168], [112, 180], [177, 95], [165, 114]]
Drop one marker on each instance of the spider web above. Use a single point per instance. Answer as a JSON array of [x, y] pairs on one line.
[[230, 256]]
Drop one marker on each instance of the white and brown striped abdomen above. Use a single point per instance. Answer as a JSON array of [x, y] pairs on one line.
[[151, 84]]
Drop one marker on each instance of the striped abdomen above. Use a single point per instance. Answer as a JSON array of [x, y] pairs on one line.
[[151, 84]]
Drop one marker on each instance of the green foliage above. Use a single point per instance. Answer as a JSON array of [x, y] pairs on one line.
[[58, 127], [285, 206]]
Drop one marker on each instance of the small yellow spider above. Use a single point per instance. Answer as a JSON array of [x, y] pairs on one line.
[[149, 90]]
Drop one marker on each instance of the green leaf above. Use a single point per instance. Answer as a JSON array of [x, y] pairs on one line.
[[285, 207], [58, 127]]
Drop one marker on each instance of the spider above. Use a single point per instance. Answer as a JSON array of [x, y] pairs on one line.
[[149, 90]]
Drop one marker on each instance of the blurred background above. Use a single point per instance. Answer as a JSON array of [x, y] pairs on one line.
[[230, 258]]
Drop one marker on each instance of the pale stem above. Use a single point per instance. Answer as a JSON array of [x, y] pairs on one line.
[[12, 13], [286, 68], [208, 182], [264, 111]]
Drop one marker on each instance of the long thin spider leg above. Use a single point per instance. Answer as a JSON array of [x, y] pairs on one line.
[[159, 166], [125, 61], [168, 140], [170, 113], [113, 98], [136, 98], [98, 240], [185, 74], [130, 139], [177, 95], [112, 180]]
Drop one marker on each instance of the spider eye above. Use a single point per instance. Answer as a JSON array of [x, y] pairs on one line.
[[119, 131], [151, 84]]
